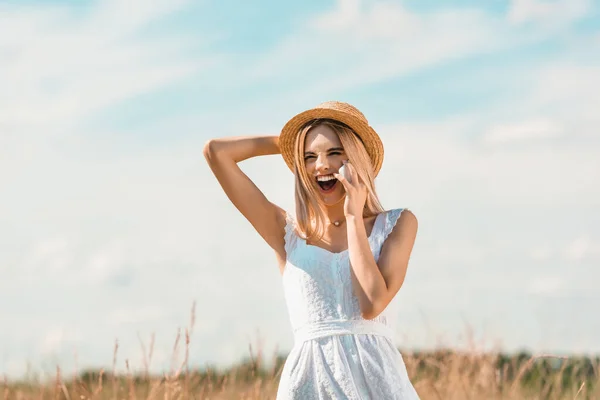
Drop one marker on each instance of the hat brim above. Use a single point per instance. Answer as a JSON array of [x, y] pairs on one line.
[[364, 131]]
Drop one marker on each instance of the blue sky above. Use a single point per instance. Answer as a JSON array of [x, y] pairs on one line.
[[112, 225]]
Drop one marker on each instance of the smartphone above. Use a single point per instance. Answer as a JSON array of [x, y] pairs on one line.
[[345, 173]]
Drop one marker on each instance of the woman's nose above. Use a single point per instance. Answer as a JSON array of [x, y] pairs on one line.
[[322, 164]]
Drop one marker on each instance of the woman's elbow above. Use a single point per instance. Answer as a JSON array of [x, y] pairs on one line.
[[370, 313], [211, 149], [372, 310]]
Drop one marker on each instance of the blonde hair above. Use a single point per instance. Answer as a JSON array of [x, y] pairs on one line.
[[309, 213]]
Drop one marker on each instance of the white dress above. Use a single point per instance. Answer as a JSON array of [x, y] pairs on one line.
[[337, 354]]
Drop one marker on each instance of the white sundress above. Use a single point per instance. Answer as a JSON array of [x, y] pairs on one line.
[[337, 354]]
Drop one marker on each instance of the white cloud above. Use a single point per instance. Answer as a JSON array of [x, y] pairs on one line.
[[135, 315], [380, 20], [541, 253], [87, 64], [547, 11], [105, 263], [571, 93], [465, 251], [127, 17], [534, 129], [57, 340], [357, 43], [451, 167], [52, 255], [582, 248], [360, 42], [546, 285], [60, 66]]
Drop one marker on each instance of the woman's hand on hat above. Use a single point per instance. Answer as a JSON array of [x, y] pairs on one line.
[[356, 192]]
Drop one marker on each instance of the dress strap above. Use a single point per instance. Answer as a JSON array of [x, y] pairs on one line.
[[385, 225], [290, 237]]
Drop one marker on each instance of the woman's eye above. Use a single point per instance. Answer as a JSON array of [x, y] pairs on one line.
[[335, 153]]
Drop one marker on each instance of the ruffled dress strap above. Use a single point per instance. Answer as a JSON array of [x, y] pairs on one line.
[[291, 237], [385, 226]]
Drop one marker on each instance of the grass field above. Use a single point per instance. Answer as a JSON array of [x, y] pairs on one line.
[[441, 374], [445, 375]]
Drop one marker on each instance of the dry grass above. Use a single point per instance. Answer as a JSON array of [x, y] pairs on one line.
[[447, 375], [439, 375]]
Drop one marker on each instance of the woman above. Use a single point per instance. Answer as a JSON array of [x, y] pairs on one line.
[[341, 256]]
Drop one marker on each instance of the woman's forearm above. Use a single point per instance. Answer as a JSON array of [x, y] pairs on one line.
[[240, 148], [372, 287]]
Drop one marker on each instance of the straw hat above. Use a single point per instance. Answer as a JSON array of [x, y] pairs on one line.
[[336, 110]]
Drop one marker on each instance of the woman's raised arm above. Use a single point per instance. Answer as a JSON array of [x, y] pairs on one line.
[[223, 156]]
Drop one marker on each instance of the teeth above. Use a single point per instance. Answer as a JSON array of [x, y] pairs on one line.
[[325, 178]]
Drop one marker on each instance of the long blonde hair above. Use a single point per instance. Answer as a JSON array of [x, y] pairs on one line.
[[309, 212]]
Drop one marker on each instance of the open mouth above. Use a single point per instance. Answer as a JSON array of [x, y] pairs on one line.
[[326, 184]]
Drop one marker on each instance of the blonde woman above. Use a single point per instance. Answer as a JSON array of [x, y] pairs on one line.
[[342, 257]]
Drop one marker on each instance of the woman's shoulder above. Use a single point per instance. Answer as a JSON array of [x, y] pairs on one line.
[[398, 216]]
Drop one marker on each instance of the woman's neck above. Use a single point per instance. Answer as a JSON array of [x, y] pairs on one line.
[[335, 212]]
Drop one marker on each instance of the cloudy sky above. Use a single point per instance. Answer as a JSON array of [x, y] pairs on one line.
[[112, 226]]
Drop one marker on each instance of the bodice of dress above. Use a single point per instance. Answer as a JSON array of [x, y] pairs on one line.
[[318, 287]]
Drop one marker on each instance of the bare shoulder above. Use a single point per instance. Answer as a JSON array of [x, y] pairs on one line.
[[397, 248], [407, 218], [406, 227]]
